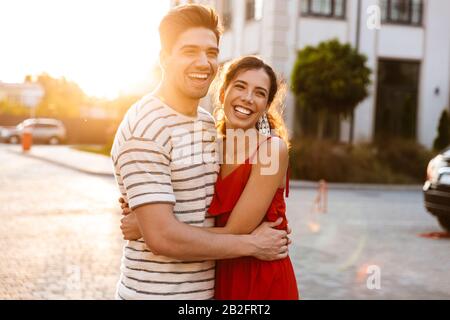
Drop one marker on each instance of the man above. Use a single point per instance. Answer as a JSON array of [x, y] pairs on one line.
[[164, 158]]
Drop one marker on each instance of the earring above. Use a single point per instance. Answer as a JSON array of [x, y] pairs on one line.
[[264, 125]]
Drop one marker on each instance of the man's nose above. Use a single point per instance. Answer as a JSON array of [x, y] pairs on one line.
[[202, 60]]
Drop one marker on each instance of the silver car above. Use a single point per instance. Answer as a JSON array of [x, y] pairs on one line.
[[45, 130]]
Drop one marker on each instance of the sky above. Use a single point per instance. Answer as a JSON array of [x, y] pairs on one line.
[[108, 47]]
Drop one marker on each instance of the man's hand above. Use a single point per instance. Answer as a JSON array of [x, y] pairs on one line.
[[129, 224], [271, 244]]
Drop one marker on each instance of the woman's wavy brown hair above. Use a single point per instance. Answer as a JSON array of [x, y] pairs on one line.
[[277, 93]]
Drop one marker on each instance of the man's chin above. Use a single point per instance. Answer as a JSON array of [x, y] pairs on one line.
[[197, 94]]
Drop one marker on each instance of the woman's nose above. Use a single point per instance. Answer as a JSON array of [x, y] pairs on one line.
[[248, 97]]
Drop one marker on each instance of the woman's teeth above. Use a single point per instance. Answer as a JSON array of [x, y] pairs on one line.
[[243, 110]]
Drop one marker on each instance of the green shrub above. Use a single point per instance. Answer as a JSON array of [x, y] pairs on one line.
[[405, 157], [443, 132], [397, 162]]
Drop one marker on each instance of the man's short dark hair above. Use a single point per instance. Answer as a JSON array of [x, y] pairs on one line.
[[184, 17]]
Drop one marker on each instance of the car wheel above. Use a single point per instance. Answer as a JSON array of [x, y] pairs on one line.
[[14, 140], [444, 222], [53, 141]]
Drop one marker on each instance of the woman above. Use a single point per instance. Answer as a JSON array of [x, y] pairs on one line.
[[250, 97], [248, 192]]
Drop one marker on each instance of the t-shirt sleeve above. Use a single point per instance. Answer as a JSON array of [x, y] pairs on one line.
[[144, 168]]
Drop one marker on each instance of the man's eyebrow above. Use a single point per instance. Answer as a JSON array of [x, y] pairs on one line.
[[191, 46], [243, 82]]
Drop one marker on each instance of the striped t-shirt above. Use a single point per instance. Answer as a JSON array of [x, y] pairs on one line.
[[162, 156]]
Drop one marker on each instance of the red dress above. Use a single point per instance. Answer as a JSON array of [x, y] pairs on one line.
[[247, 278]]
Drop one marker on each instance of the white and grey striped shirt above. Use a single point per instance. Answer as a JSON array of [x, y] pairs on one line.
[[162, 156]]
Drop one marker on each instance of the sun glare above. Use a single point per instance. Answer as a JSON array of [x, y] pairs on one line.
[[108, 47]]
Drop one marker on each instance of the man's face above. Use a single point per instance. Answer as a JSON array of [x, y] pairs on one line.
[[192, 64]]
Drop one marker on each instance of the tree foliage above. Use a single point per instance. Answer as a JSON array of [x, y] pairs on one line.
[[330, 78], [62, 98]]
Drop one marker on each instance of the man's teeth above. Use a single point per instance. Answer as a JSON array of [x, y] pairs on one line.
[[242, 110], [198, 76]]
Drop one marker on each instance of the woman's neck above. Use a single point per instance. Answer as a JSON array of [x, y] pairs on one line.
[[239, 145]]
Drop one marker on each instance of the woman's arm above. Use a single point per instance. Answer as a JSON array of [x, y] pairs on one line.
[[259, 191]]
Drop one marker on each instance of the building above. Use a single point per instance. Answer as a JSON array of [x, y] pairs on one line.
[[26, 94], [409, 53]]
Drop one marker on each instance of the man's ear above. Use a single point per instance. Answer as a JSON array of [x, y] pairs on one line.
[[163, 59]]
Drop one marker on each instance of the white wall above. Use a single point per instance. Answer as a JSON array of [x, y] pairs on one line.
[[402, 42], [434, 70], [251, 38], [311, 31]]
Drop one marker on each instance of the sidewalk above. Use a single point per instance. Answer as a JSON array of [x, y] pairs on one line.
[[101, 165], [68, 157]]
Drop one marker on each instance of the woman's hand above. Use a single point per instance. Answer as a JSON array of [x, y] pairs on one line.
[[124, 206], [129, 224]]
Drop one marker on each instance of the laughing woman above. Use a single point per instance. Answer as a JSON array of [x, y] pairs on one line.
[[245, 195]]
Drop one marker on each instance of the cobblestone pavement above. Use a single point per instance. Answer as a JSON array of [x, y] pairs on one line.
[[60, 239], [59, 234], [333, 252]]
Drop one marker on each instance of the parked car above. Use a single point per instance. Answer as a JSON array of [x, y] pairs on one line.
[[44, 130], [437, 188]]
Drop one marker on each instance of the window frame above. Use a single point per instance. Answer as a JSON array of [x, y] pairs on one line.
[[389, 20], [332, 15], [252, 17], [227, 17]]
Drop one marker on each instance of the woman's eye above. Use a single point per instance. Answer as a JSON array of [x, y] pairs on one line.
[[239, 86], [261, 94]]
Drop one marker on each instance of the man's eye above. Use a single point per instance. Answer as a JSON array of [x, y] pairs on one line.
[[189, 52], [212, 54]]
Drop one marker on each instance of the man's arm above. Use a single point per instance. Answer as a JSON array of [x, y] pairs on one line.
[[165, 235]]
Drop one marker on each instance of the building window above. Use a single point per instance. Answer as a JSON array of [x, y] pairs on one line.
[[402, 11], [227, 14], [253, 10], [323, 8], [397, 99]]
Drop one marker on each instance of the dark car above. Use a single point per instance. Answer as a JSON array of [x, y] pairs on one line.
[[437, 188]]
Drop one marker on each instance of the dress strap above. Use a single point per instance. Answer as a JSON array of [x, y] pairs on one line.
[[256, 151]]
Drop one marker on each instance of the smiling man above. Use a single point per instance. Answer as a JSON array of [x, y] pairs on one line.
[[168, 187]]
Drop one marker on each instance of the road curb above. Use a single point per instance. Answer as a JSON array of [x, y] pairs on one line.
[[63, 164], [303, 184], [294, 184]]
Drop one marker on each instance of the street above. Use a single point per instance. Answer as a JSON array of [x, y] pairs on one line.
[[60, 239]]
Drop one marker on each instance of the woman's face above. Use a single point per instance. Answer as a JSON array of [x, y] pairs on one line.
[[245, 99]]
